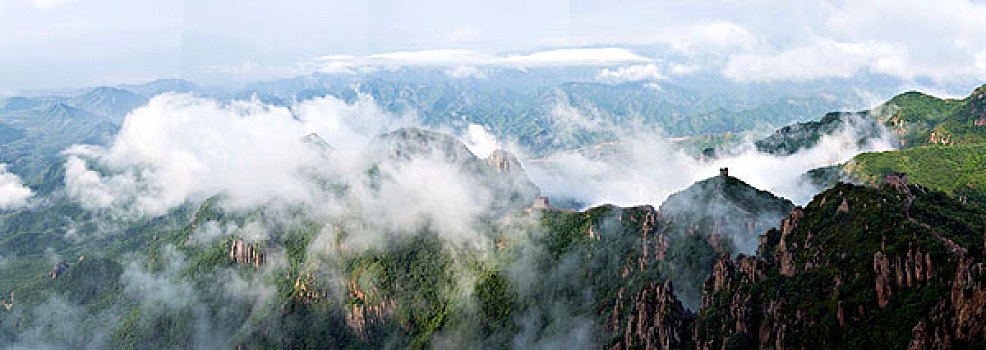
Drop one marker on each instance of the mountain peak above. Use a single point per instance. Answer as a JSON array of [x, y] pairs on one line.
[[316, 140], [408, 142], [726, 206], [109, 101]]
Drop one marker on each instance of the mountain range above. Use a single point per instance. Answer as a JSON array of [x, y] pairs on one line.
[[420, 241]]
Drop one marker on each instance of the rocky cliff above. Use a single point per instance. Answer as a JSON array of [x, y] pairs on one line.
[[884, 267]]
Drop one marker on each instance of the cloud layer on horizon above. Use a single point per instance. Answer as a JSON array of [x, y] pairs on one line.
[[743, 41]]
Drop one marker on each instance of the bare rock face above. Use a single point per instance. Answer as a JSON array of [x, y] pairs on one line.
[[911, 270], [241, 252], [782, 252], [844, 207], [367, 308], [722, 274], [959, 321], [645, 313], [969, 301], [737, 316], [881, 267], [503, 162], [658, 320]]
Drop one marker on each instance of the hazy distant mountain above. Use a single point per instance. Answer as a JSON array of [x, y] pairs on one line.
[[110, 102], [161, 86]]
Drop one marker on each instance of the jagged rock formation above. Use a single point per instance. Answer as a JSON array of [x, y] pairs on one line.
[[657, 320], [859, 266], [960, 320], [364, 310], [643, 310], [513, 176], [241, 252]]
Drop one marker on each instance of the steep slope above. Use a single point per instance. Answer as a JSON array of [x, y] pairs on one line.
[[858, 267], [915, 118], [920, 119], [959, 169], [726, 207], [939, 139], [719, 216]]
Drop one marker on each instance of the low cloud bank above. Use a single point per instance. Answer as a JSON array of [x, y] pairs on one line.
[[13, 193], [644, 167]]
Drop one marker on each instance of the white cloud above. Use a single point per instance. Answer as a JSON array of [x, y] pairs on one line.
[[179, 147], [630, 73], [46, 5], [906, 39], [479, 141], [683, 69], [336, 57], [249, 70], [645, 168], [981, 61], [463, 63], [428, 192], [717, 36], [463, 72], [574, 57], [13, 193], [445, 57], [822, 59], [336, 68]]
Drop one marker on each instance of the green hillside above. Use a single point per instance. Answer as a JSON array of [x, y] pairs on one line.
[[921, 119], [943, 168]]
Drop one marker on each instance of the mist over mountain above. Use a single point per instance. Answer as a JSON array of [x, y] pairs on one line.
[[638, 175]]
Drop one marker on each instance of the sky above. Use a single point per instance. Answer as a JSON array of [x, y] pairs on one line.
[[65, 43]]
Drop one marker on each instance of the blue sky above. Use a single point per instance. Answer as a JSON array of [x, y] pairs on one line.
[[64, 43]]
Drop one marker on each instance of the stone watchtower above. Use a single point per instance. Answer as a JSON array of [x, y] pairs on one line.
[[541, 203], [723, 172]]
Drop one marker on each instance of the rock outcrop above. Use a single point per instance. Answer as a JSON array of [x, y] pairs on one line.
[[877, 275], [658, 320], [241, 252]]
